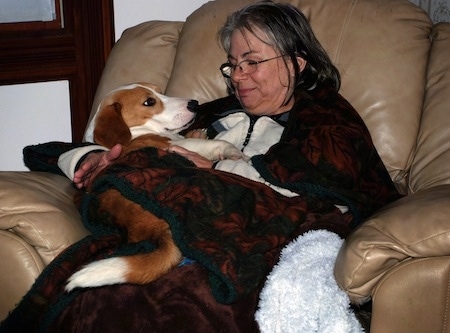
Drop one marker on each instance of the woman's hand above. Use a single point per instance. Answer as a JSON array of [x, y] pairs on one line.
[[93, 164], [195, 158]]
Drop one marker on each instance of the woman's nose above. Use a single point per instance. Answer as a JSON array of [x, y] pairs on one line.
[[238, 74]]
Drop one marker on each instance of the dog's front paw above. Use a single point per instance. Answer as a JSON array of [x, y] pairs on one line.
[[99, 273], [233, 153]]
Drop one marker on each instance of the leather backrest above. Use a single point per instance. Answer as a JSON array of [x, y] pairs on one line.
[[431, 162]]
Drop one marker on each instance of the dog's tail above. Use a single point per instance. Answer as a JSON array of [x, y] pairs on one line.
[[136, 269]]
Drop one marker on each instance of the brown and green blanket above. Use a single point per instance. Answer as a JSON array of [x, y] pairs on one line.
[[229, 228]]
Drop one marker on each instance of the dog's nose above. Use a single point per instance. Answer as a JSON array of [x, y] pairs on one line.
[[192, 105]]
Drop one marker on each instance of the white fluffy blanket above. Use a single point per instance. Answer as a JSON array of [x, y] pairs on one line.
[[301, 294]]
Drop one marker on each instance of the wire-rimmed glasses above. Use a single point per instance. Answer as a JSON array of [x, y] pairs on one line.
[[246, 66]]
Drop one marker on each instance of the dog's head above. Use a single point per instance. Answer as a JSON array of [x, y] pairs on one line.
[[137, 109]]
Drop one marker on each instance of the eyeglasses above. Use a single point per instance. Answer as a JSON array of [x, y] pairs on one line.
[[246, 66]]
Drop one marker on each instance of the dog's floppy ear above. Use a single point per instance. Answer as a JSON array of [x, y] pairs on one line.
[[110, 128]]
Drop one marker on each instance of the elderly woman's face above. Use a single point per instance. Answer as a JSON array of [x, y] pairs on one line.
[[264, 91]]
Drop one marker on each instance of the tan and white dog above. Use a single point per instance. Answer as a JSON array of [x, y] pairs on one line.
[[138, 116]]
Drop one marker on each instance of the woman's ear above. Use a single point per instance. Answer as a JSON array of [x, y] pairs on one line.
[[301, 63]]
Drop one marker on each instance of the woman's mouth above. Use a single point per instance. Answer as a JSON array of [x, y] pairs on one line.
[[244, 92]]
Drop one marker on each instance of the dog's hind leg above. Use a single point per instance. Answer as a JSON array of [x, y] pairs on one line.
[[139, 268]]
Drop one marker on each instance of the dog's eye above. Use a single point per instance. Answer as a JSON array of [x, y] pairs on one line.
[[150, 102]]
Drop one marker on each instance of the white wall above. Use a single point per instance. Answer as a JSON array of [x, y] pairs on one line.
[[439, 10], [40, 112], [31, 114], [132, 12]]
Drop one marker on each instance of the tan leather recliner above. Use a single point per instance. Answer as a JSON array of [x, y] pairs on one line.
[[395, 69]]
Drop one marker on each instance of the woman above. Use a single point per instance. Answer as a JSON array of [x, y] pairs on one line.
[[306, 142]]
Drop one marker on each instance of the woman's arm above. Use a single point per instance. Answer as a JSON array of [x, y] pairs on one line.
[[82, 165], [93, 164]]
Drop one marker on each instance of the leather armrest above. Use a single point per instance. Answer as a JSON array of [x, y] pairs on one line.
[[416, 226], [20, 266], [38, 208]]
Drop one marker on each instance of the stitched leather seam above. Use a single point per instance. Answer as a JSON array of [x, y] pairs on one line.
[[408, 245], [443, 232], [344, 30], [444, 324]]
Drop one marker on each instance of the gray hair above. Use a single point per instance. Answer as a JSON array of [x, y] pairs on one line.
[[288, 32]]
